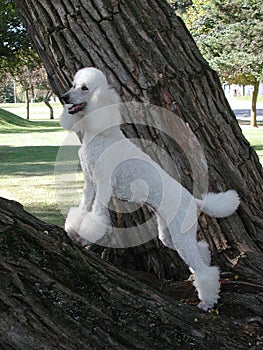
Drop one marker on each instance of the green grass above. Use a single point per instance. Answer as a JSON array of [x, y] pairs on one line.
[[255, 137], [28, 154], [38, 111], [11, 123], [249, 98]]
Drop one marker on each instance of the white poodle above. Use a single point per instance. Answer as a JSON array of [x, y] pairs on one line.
[[104, 145]]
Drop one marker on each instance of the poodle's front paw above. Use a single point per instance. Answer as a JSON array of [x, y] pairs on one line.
[[72, 225], [73, 221], [94, 227]]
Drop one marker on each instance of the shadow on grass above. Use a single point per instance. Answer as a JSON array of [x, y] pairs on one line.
[[11, 123], [35, 128], [47, 213], [26, 131], [247, 122], [32, 160]]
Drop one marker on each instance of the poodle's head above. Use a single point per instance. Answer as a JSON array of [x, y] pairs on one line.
[[85, 83], [88, 97]]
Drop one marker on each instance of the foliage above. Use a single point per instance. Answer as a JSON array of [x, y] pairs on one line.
[[18, 59], [13, 36], [7, 93], [181, 5], [229, 35], [15, 48]]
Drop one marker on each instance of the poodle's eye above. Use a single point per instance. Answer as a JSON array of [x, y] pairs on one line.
[[84, 88]]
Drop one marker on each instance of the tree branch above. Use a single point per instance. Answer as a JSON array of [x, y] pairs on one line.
[[55, 295]]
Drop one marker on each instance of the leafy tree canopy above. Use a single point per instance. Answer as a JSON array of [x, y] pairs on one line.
[[180, 5], [16, 52], [13, 36], [229, 34]]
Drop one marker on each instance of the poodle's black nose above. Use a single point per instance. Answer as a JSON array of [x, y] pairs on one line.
[[65, 98]]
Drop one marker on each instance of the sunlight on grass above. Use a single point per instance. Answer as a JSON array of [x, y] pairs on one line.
[[27, 161], [38, 111], [28, 155], [255, 138]]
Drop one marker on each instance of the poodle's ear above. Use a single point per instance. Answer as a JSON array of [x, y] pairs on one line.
[[103, 97], [103, 110], [113, 96]]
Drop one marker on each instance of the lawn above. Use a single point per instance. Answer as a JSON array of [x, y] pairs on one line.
[[33, 174], [255, 137], [38, 111], [28, 155]]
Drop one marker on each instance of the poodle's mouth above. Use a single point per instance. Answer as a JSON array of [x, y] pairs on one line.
[[77, 107]]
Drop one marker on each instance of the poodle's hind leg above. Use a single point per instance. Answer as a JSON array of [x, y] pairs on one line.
[[204, 252], [197, 257]]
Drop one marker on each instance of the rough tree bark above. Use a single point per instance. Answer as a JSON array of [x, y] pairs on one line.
[[56, 296], [148, 55]]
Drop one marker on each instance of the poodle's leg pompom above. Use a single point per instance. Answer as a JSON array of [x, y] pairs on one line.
[[94, 227], [208, 287], [72, 225]]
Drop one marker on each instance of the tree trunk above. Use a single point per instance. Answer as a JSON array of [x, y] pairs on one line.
[[148, 55], [14, 84], [27, 104], [46, 101], [56, 296], [253, 114]]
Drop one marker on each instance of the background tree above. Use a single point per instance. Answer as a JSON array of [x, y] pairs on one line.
[[13, 35], [24, 70], [16, 51], [7, 93], [18, 60], [229, 35], [148, 55], [41, 89], [180, 6]]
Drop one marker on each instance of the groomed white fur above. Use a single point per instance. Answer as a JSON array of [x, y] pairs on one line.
[[93, 227], [72, 225], [221, 204], [204, 252], [208, 287], [91, 220]]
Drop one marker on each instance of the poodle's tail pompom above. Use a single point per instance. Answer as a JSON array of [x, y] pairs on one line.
[[221, 204]]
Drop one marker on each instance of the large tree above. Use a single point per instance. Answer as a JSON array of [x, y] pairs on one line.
[[148, 55], [229, 35], [55, 296]]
